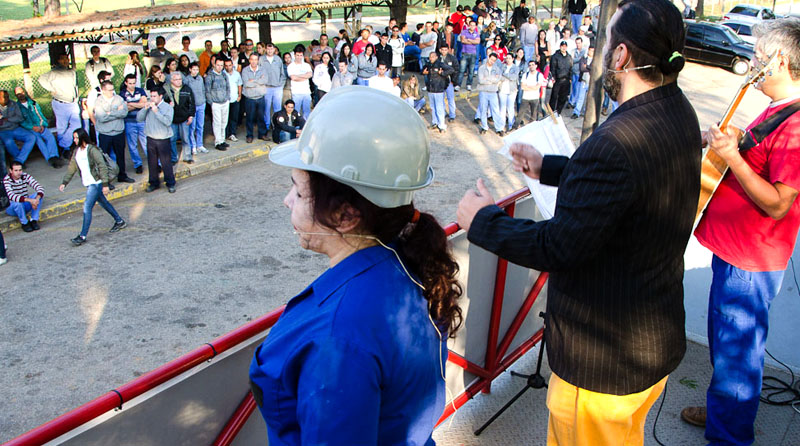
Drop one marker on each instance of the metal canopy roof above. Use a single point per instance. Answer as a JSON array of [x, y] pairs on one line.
[[17, 34]]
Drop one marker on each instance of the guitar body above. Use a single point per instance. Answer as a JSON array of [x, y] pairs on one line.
[[712, 171]]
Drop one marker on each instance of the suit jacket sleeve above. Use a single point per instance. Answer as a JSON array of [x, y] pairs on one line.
[[593, 196], [552, 167]]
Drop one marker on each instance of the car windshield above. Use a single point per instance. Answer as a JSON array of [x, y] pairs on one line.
[[730, 34], [744, 10]]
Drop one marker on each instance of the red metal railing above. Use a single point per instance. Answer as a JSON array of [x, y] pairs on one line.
[[496, 362]]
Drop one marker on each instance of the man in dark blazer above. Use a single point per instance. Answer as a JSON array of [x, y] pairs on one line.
[[614, 248]]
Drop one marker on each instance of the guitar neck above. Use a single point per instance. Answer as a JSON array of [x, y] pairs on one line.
[[726, 118]]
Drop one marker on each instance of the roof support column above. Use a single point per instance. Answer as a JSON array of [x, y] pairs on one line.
[[145, 46], [243, 28], [323, 24], [26, 72], [264, 28]]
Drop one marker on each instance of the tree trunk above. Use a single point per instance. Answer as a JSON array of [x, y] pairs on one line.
[[565, 13], [699, 9], [398, 9], [52, 8], [36, 11], [594, 97]]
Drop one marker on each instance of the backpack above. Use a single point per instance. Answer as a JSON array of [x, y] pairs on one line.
[[113, 168]]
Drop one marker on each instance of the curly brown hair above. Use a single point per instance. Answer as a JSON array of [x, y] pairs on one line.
[[422, 246]]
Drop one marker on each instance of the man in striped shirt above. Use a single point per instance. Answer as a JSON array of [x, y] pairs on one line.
[[17, 183]]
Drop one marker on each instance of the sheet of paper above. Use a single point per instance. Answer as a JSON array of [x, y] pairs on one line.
[[549, 138]]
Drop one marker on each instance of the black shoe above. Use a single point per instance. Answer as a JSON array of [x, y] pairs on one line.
[[34, 224], [66, 155], [127, 180], [501, 133], [171, 189], [482, 131], [442, 130], [220, 147], [433, 126], [226, 145], [55, 162], [139, 170], [188, 161], [249, 139], [449, 119], [477, 121], [78, 241], [151, 188], [111, 186], [27, 227], [117, 226], [490, 119]]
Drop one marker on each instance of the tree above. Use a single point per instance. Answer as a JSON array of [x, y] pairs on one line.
[[699, 9], [52, 8], [398, 9], [594, 97]]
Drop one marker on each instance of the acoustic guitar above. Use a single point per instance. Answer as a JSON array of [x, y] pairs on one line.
[[713, 167]]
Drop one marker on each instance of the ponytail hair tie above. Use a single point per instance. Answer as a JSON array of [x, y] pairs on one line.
[[415, 218], [675, 54]]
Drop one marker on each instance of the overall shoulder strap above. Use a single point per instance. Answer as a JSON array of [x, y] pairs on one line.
[[758, 133]]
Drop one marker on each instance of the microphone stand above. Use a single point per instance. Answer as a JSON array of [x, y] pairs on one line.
[[535, 381]]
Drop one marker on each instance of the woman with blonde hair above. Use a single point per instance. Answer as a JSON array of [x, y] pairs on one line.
[[409, 92]]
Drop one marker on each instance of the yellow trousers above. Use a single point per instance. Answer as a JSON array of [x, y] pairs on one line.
[[579, 417]]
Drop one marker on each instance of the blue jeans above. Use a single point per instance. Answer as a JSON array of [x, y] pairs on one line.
[[302, 103], [272, 103], [416, 103], [46, 143], [134, 132], [20, 210], [10, 138], [738, 319], [574, 89], [489, 103], [450, 97], [466, 67], [94, 194], [530, 52], [68, 119], [582, 89], [254, 112], [197, 127], [284, 136], [577, 19], [507, 109], [359, 81], [437, 110], [184, 130]]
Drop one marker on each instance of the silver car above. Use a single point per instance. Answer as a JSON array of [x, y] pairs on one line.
[[750, 14], [742, 29]]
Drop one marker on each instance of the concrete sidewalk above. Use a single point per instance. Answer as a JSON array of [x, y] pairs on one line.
[[58, 203]]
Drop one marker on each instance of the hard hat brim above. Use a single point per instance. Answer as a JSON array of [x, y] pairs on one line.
[[288, 155]]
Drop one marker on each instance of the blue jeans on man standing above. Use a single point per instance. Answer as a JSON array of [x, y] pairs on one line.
[[198, 125], [465, 67], [272, 103], [94, 194], [574, 89], [184, 130], [738, 319], [20, 210], [450, 97], [302, 103], [10, 138], [254, 115], [507, 109], [437, 110], [489, 103], [134, 133], [577, 19], [579, 104], [530, 52], [68, 119]]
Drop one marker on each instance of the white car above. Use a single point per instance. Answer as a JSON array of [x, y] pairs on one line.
[[751, 14], [742, 29]]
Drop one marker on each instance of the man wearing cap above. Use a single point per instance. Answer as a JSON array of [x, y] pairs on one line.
[[614, 326], [560, 72]]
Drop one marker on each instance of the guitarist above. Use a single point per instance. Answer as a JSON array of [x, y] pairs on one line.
[[751, 225]]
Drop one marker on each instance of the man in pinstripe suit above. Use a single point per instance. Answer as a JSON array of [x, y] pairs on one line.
[[624, 213]]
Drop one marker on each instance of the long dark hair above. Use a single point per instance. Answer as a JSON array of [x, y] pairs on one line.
[[342, 57], [331, 69], [83, 139], [369, 45], [422, 245]]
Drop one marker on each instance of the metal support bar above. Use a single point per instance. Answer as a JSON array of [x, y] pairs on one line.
[[145, 32], [237, 421], [26, 72]]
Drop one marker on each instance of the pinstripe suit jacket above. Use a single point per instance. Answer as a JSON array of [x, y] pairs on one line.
[[624, 213]]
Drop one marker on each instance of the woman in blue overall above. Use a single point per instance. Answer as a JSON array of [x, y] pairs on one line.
[[358, 357]]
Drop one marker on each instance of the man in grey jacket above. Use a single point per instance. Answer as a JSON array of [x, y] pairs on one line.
[[218, 94], [195, 83], [489, 76], [110, 111], [157, 118], [528, 34], [254, 87], [275, 78], [11, 132]]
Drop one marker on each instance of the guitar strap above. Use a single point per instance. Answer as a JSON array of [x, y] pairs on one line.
[[758, 133]]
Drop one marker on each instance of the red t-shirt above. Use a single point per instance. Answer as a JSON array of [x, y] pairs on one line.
[[359, 45], [501, 52], [734, 227], [457, 19]]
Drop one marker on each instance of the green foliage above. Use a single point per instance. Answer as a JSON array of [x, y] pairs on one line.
[[690, 383]]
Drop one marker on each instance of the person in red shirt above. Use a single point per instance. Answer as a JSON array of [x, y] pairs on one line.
[[360, 44], [498, 48], [457, 19], [750, 225]]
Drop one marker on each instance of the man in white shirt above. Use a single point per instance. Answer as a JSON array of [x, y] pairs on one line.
[[381, 81], [373, 39], [570, 42], [300, 72], [186, 41], [235, 83], [95, 65]]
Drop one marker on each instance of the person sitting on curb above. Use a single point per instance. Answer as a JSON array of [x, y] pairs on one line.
[[34, 120], [16, 184], [11, 132], [287, 123], [95, 175]]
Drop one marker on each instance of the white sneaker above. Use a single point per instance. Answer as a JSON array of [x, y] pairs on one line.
[[424, 88], [469, 87], [194, 150], [457, 88], [202, 149], [233, 138], [3, 261]]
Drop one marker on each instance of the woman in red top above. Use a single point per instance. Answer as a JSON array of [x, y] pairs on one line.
[[498, 48]]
